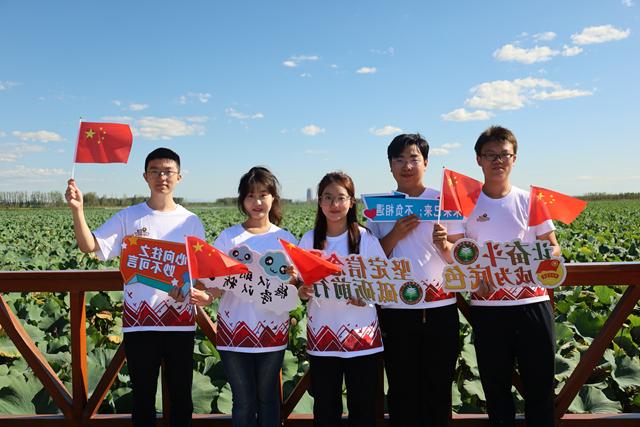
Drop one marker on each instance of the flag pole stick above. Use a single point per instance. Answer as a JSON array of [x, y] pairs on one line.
[[75, 151], [440, 200], [186, 247]]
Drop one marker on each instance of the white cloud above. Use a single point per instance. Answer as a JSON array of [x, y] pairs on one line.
[[21, 171], [510, 52], [312, 130], [385, 130], [2, 134], [600, 34], [628, 3], [546, 36], [388, 51], [231, 112], [444, 149], [294, 61], [202, 97], [451, 145], [116, 102], [334, 66], [165, 128], [315, 152], [197, 119], [305, 75], [462, 115], [514, 94], [138, 107], [40, 136], [117, 119], [560, 94], [6, 85], [505, 94], [366, 70], [571, 50], [12, 151]]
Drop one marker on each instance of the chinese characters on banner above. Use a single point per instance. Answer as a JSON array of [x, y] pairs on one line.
[[155, 263], [502, 264], [393, 206], [375, 280], [266, 283]]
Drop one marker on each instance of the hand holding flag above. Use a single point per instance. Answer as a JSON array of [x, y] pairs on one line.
[[103, 143], [459, 192], [311, 268], [206, 261], [546, 204]]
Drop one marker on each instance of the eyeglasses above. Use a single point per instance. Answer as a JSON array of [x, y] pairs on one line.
[[158, 173], [328, 200], [500, 157], [399, 162]]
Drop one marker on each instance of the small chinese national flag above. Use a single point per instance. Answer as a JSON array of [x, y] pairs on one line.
[[206, 261], [103, 143], [459, 192], [311, 268], [546, 204]]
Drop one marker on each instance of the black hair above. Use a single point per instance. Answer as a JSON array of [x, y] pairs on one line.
[[261, 175], [400, 142], [162, 153], [495, 133]]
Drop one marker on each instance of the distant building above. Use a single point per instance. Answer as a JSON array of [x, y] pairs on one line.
[[309, 195]]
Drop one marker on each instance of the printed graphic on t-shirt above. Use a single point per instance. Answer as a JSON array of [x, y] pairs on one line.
[[345, 338], [151, 268], [239, 334]]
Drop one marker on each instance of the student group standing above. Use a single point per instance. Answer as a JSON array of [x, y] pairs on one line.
[[345, 340]]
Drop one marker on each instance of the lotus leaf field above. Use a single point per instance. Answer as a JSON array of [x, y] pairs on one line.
[[42, 239]]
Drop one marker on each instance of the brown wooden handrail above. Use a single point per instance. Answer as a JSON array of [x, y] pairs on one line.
[[78, 408]]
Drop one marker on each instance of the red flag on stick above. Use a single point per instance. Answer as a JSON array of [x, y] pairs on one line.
[[103, 143], [206, 261], [311, 267], [459, 192], [546, 204]]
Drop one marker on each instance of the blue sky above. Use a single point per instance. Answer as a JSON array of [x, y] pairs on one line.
[[308, 87]]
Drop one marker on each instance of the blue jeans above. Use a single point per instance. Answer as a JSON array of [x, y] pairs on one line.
[[254, 380]]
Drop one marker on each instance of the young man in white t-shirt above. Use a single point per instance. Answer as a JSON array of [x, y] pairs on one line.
[[156, 327], [420, 343], [511, 325]]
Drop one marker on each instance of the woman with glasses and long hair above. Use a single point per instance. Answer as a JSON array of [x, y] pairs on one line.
[[343, 337]]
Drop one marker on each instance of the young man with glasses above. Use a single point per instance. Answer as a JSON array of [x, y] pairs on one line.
[[421, 342], [512, 325], [157, 329]]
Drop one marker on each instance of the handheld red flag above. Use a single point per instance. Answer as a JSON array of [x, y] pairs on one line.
[[546, 204], [311, 267], [459, 192], [103, 143], [206, 261]]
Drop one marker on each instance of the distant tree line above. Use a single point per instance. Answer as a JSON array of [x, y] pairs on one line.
[[36, 199], [609, 196]]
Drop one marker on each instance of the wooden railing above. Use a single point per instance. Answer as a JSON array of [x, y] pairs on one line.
[[80, 409]]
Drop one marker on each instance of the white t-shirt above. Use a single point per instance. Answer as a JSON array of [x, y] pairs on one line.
[[334, 327], [243, 326], [146, 308], [504, 220], [426, 261]]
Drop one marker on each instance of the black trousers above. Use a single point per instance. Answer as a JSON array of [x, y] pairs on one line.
[[361, 377], [145, 351], [421, 348], [521, 335]]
